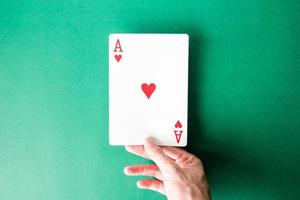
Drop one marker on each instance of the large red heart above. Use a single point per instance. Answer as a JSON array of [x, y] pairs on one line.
[[118, 57], [148, 89]]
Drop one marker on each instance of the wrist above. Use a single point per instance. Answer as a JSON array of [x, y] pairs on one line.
[[195, 192]]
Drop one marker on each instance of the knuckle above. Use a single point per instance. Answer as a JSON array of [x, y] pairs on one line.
[[188, 159]]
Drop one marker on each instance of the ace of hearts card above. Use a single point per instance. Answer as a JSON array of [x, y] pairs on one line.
[[148, 88]]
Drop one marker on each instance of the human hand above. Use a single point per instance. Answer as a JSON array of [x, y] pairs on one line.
[[179, 174]]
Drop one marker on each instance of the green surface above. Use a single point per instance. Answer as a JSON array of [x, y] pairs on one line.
[[244, 100]]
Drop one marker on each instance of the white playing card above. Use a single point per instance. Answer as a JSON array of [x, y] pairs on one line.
[[148, 88]]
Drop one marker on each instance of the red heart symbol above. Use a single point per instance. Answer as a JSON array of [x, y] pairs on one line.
[[118, 57], [148, 89], [178, 124]]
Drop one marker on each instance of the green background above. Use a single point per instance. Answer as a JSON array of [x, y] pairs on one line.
[[244, 96]]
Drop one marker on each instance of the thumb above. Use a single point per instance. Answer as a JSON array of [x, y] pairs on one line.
[[156, 153]]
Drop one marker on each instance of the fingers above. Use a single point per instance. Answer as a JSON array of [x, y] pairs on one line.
[[137, 150], [156, 153], [143, 170], [181, 157], [150, 184], [174, 152], [165, 154]]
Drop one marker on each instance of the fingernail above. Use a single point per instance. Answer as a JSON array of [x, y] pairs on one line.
[[138, 184], [125, 171]]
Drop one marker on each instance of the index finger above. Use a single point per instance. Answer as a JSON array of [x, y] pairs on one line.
[[155, 152]]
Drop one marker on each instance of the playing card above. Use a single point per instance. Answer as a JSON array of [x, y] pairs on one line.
[[148, 88]]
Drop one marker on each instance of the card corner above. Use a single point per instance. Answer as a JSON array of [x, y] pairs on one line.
[[184, 144], [111, 143], [111, 35]]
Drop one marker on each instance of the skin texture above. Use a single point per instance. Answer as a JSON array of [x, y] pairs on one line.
[[178, 174]]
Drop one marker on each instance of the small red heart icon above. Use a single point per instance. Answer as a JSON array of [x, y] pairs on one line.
[[178, 124], [148, 89], [118, 57]]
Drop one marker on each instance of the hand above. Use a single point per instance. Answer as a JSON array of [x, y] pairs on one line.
[[179, 174]]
